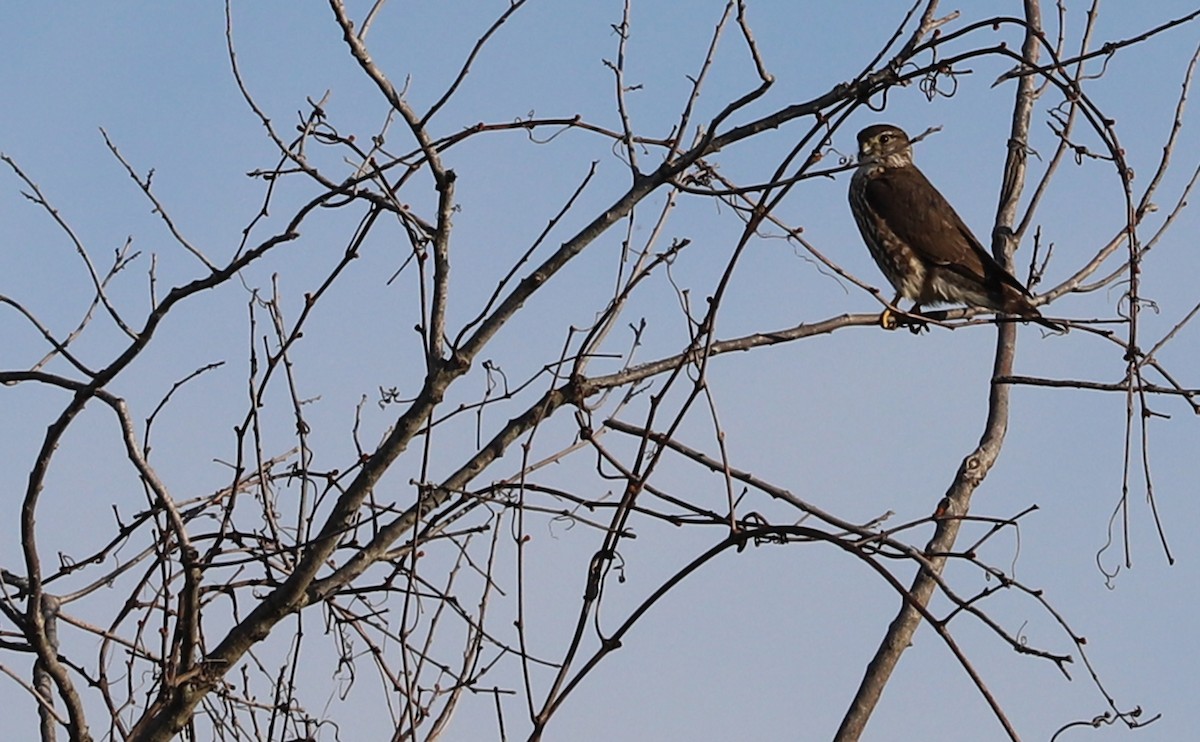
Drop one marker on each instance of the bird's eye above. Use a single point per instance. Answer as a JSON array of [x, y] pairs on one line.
[[885, 138]]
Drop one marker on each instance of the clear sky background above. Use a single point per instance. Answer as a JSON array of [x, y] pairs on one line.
[[769, 643]]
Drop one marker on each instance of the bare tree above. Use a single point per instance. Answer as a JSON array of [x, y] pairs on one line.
[[392, 555]]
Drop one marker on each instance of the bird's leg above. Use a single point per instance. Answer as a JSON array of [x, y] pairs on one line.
[[888, 319], [912, 319], [915, 321]]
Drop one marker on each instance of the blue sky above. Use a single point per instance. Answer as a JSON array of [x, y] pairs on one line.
[[767, 643]]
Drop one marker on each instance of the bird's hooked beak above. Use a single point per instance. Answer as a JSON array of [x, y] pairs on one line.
[[867, 152]]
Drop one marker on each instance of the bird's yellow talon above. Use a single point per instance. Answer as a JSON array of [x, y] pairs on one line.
[[888, 320]]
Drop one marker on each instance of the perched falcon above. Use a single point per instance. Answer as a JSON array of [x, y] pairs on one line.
[[923, 247]]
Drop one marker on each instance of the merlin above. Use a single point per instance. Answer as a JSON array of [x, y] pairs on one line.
[[920, 243]]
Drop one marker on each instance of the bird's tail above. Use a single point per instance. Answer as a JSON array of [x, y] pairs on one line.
[[1055, 326], [1020, 305]]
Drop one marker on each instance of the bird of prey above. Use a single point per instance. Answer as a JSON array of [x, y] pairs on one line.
[[919, 242]]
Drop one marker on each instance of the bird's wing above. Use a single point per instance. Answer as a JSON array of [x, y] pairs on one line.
[[920, 215]]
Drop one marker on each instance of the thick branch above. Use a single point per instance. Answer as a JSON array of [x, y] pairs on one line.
[[978, 463]]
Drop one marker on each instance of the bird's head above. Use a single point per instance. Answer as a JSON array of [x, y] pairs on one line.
[[884, 144]]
